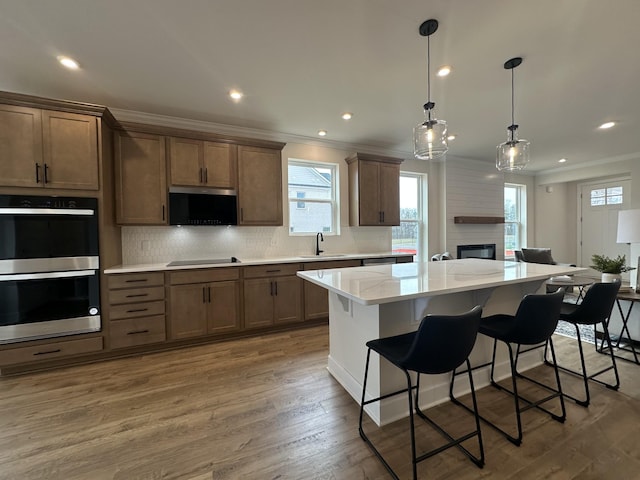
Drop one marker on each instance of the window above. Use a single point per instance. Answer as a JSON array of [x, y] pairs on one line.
[[606, 196], [313, 205], [408, 237], [515, 215]]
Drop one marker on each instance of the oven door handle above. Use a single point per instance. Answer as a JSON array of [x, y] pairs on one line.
[[46, 211], [46, 275]]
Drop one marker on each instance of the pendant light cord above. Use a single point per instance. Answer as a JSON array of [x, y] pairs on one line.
[[513, 122]]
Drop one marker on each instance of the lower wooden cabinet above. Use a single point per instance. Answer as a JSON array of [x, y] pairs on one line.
[[272, 295], [204, 307], [50, 350], [136, 309], [316, 299]]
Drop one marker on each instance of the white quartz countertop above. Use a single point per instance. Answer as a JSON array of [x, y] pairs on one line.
[[379, 284], [151, 267]]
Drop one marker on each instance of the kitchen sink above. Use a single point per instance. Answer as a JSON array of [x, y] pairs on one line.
[[209, 261]]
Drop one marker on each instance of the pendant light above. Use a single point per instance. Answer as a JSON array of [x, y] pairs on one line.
[[514, 153], [430, 137]]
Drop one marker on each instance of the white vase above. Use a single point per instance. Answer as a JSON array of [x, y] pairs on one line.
[[611, 277]]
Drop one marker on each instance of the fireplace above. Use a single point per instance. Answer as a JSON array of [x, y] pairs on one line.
[[487, 250]]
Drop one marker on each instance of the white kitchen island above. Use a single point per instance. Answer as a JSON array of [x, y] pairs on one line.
[[372, 302]]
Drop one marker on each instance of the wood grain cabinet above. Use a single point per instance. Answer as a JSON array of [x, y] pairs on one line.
[[316, 298], [46, 148], [259, 186], [199, 163], [204, 302], [136, 309], [374, 190], [141, 179], [272, 295]]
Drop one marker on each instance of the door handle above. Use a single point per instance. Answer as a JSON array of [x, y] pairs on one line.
[[46, 173], [37, 173], [209, 288]]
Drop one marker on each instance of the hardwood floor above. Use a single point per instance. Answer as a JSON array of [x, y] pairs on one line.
[[266, 408]]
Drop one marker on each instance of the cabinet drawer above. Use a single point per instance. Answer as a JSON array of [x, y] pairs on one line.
[[137, 331], [145, 309], [331, 264], [184, 277], [274, 270], [130, 280], [135, 295], [50, 350]]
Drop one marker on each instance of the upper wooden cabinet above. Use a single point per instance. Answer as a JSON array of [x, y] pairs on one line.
[[47, 148], [259, 186], [141, 185], [200, 163], [374, 190]]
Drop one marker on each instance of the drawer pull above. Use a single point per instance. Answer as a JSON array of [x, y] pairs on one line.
[[137, 280], [136, 332], [48, 352], [137, 310], [273, 271], [138, 295]]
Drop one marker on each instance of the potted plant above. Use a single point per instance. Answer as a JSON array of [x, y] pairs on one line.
[[611, 268]]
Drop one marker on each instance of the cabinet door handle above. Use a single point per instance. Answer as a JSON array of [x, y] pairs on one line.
[[37, 173], [206, 175], [48, 352], [137, 332], [200, 174], [241, 214], [276, 284], [209, 288], [271, 287], [137, 310], [204, 300], [382, 217], [163, 219], [46, 173]]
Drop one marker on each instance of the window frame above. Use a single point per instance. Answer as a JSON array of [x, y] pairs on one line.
[[421, 217], [521, 222], [333, 201]]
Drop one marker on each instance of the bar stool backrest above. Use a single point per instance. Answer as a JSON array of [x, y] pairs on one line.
[[536, 318], [596, 305], [443, 342]]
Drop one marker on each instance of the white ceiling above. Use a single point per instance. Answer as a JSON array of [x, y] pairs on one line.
[[301, 63]]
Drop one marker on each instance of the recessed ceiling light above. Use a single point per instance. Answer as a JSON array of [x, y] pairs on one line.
[[562, 160], [322, 133], [347, 115], [606, 125], [68, 62], [444, 70], [451, 137], [236, 95]]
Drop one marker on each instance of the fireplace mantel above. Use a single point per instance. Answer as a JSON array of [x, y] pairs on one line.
[[477, 220]]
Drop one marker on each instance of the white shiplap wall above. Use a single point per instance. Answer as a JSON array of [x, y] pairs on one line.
[[473, 188]]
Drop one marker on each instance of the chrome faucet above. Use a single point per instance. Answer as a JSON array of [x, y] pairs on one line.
[[319, 238]]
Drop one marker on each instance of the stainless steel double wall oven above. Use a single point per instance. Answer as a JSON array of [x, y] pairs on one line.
[[49, 267]]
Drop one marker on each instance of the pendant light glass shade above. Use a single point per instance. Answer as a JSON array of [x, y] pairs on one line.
[[514, 153], [429, 137]]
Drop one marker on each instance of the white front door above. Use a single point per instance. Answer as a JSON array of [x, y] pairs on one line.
[[599, 206]]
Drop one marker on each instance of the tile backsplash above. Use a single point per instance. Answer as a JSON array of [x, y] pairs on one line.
[[164, 244]]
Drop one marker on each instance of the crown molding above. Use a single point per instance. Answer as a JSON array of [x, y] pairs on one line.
[[240, 131]]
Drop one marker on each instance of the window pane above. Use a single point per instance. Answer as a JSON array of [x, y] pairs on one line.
[[600, 192], [597, 201], [314, 181], [614, 191], [315, 217], [511, 211], [405, 238], [511, 239], [614, 200]]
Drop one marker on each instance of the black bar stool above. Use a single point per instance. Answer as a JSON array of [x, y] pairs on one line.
[[440, 345], [595, 308], [532, 325]]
